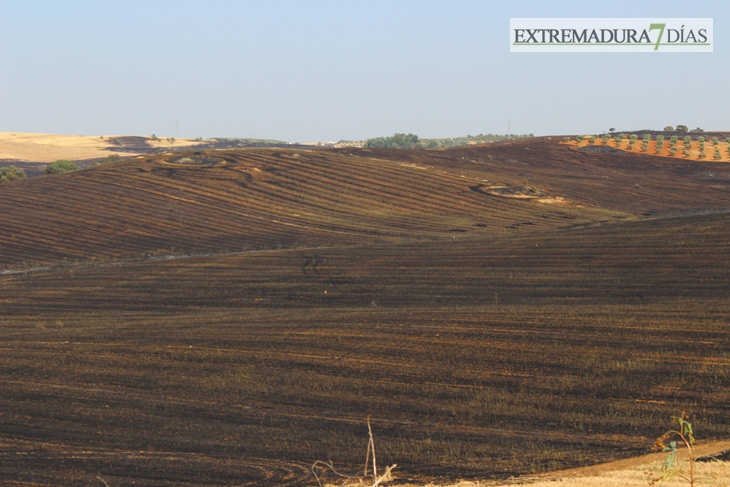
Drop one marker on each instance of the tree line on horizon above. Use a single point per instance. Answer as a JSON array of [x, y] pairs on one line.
[[412, 141]]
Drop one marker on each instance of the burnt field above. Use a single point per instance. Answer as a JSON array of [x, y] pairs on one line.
[[508, 348]]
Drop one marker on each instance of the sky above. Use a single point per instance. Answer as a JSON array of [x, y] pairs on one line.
[[329, 70]]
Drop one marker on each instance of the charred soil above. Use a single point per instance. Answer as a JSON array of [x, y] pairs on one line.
[[230, 323]]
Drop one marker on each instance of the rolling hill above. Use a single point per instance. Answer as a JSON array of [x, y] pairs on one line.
[[230, 317]]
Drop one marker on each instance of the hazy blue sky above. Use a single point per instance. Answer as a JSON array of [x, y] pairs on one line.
[[303, 70]]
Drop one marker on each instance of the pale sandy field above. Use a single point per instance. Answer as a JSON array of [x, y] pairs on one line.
[[32, 147]]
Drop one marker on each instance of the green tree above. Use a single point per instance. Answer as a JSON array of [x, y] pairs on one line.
[[682, 128], [396, 141], [61, 166]]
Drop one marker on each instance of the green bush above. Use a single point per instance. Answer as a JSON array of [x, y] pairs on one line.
[[11, 173], [61, 166]]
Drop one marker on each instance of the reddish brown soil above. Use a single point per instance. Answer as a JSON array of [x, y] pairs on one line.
[[693, 149]]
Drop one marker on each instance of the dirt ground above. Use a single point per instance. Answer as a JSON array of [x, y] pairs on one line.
[[665, 152], [230, 322], [637, 471]]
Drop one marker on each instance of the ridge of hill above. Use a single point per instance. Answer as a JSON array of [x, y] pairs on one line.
[[208, 201], [251, 200]]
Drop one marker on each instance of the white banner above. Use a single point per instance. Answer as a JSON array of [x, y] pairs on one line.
[[611, 35]]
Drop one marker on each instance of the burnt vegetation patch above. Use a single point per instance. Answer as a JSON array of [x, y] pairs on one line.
[[195, 159], [231, 323]]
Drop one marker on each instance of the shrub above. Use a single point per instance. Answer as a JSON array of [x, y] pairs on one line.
[[718, 155], [61, 166], [11, 173], [686, 437], [669, 128], [682, 128]]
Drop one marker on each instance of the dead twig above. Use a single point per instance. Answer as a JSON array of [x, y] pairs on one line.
[[377, 480]]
